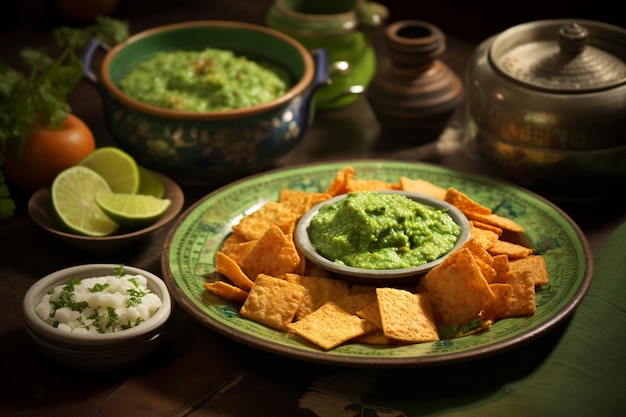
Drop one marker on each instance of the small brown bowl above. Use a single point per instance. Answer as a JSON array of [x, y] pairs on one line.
[[403, 276], [41, 212]]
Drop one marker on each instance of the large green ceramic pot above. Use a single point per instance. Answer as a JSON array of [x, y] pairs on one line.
[[344, 28], [209, 148]]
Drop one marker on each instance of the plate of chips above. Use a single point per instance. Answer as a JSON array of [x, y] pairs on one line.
[[213, 288]]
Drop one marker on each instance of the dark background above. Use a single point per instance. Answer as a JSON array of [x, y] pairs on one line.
[[471, 20]]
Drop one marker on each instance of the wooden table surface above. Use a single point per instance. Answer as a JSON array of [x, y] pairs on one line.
[[196, 371]]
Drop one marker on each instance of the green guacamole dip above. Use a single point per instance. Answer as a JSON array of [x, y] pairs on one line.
[[208, 80], [373, 230]]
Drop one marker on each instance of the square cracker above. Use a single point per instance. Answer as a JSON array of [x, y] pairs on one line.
[[520, 297], [371, 313], [535, 265], [512, 250], [501, 222], [422, 187], [319, 290], [272, 301], [406, 317], [356, 184], [329, 326], [457, 289], [254, 225]]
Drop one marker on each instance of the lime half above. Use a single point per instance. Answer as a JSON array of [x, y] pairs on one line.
[[132, 210], [73, 199], [150, 184], [117, 167]]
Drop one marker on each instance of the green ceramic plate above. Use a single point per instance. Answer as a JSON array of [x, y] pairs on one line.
[[190, 247]]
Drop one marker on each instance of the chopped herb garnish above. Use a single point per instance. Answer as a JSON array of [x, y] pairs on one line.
[[98, 288], [119, 271], [135, 297]]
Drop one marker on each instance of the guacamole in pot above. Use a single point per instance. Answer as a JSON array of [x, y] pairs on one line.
[[373, 230], [208, 80]]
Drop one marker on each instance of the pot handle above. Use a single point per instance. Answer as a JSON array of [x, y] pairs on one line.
[[87, 58], [321, 77]]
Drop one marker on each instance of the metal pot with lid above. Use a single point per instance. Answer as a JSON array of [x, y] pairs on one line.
[[547, 101]]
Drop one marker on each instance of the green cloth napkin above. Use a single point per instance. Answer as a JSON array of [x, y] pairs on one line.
[[578, 369]]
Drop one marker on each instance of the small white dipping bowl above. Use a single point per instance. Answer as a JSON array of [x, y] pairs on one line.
[[95, 352], [402, 276]]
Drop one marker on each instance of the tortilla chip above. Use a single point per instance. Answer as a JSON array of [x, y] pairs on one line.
[[486, 237], [501, 264], [273, 254], [371, 313], [457, 289], [272, 301], [480, 225], [287, 194], [354, 302], [232, 239], [254, 225], [238, 251], [475, 246], [521, 300], [377, 337], [226, 291], [422, 187], [406, 317], [355, 185], [487, 270], [339, 185], [512, 250], [313, 270], [302, 265], [319, 291], [464, 203], [229, 268], [496, 220], [329, 326], [502, 293], [535, 265]]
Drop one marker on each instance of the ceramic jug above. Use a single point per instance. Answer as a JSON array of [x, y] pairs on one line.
[[414, 93], [345, 29]]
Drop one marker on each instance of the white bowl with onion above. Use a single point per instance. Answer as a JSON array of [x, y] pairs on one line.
[[72, 340]]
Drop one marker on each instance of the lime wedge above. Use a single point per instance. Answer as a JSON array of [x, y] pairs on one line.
[[150, 184], [73, 199], [117, 167], [132, 210]]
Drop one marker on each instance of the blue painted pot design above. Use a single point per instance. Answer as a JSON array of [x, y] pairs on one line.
[[209, 147]]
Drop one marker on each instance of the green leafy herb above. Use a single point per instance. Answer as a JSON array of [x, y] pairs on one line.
[[130, 323], [98, 288], [7, 205], [135, 297], [66, 299], [38, 100], [119, 271]]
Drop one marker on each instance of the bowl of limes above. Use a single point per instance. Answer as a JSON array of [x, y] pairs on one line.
[[106, 203]]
